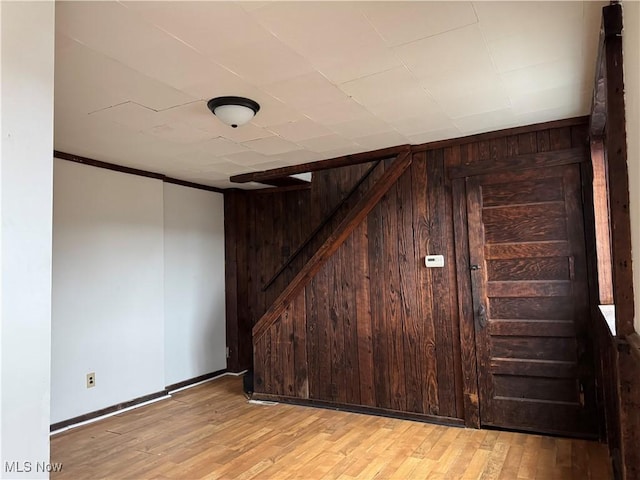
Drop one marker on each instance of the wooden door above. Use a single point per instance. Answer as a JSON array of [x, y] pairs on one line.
[[530, 298]]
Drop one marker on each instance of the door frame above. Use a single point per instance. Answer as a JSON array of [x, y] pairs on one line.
[[466, 304]]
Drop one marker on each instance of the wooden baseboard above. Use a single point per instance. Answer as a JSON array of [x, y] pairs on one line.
[[382, 412], [191, 381], [107, 410], [135, 401]]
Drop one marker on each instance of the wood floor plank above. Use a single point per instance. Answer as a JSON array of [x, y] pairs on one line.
[[211, 432]]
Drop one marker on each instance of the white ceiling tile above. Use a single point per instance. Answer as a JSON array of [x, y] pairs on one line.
[[206, 26], [500, 20], [381, 140], [428, 122], [107, 27], [271, 145], [226, 167], [458, 52], [194, 69], [317, 29], [383, 87], [351, 50], [342, 151], [264, 62], [462, 103], [403, 70], [434, 135], [179, 133], [404, 22], [266, 165], [547, 44], [545, 76], [245, 133], [299, 130], [298, 156], [88, 81], [250, 6], [353, 62], [220, 147], [413, 104], [248, 158], [549, 115], [485, 122], [295, 91], [571, 96], [332, 113], [327, 143], [130, 115], [362, 127]]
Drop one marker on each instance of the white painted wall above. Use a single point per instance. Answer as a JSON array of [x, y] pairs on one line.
[[26, 138], [194, 283], [138, 287], [108, 288], [631, 55]]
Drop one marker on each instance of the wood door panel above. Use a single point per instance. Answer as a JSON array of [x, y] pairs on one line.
[[552, 308], [528, 191], [527, 250], [540, 415], [534, 268], [533, 368], [537, 288], [541, 222], [532, 328], [536, 348], [541, 388], [530, 298]]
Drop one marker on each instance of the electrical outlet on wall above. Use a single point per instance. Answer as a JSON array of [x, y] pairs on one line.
[[91, 380]]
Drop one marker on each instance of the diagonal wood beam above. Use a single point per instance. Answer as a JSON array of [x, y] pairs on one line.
[[322, 224], [354, 159], [331, 244]]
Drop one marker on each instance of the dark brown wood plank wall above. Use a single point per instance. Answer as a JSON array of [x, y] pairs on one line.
[[375, 327]]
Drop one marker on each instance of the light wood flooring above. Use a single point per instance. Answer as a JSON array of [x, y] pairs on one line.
[[210, 431]]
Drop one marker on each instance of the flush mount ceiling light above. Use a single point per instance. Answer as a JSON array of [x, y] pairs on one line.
[[234, 111]]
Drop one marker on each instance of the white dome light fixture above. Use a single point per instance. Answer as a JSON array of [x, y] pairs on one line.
[[234, 111]]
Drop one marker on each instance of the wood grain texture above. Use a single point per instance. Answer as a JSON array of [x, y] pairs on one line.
[[616, 155], [359, 212], [381, 330], [185, 438], [513, 306]]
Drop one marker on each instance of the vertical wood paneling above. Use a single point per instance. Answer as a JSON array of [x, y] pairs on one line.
[[412, 326], [393, 314], [286, 348], [336, 329], [374, 326], [325, 358], [313, 338], [380, 332], [428, 368], [301, 365], [440, 285], [465, 308], [363, 315], [347, 301]]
